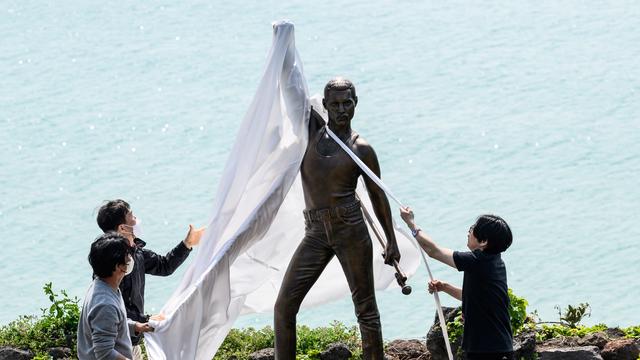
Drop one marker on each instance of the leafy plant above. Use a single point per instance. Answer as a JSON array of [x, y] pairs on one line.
[[240, 343], [455, 328], [632, 332], [517, 312], [56, 328], [546, 332], [311, 342], [573, 315]]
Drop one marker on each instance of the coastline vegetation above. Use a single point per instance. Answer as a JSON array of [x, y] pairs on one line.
[[57, 328]]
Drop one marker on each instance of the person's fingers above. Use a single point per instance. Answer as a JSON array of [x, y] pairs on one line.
[[435, 284], [157, 317]]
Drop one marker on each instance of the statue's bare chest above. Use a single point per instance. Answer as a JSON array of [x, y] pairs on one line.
[[326, 161]]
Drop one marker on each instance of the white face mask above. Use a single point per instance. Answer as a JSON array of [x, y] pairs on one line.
[[130, 265], [136, 230]]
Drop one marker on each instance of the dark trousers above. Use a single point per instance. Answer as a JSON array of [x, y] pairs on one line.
[[342, 232]]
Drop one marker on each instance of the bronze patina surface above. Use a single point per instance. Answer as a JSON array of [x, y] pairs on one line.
[[335, 225]]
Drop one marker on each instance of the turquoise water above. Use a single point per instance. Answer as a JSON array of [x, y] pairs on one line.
[[529, 110]]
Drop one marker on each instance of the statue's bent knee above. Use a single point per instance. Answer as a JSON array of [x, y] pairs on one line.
[[367, 313], [285, 308]]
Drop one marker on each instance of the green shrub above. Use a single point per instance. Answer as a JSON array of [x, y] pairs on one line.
[[455, 328], [240, 343], [517, 312], [311, 342], [546, 332], [56, 328], [632, 332]]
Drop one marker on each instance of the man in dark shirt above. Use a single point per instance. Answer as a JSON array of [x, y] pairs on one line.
[[116, 215], [485, 302], [484, 293]]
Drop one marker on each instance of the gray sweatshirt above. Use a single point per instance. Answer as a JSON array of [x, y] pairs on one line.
[[103, 331]]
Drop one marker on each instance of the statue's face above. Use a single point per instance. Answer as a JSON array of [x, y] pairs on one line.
[[341, 106]]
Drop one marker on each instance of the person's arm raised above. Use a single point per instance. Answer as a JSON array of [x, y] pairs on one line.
[[432, 249]]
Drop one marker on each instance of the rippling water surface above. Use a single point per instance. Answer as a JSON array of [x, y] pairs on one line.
[[530, 110]]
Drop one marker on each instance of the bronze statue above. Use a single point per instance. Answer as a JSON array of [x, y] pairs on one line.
[[335, 225]]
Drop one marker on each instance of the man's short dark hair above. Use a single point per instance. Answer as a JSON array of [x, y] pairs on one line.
[[107, 251], [339, 84], [495, 231], [112, 214]]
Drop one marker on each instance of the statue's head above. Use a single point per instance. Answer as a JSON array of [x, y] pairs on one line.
[[340, 100]]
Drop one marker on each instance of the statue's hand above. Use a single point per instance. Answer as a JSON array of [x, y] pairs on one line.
[[282, 24], [391, 253]]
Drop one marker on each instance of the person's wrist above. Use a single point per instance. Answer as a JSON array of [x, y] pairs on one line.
[[414, 230], [411, 225]]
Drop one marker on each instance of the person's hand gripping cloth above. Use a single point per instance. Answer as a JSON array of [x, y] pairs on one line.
[[256, 222]]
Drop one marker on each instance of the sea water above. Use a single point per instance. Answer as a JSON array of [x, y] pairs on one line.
[[529, 110]]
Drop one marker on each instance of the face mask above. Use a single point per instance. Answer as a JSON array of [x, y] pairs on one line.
[[130, 265], [136, 230]]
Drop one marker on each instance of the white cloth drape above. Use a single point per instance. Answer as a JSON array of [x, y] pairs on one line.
[[256, 221]]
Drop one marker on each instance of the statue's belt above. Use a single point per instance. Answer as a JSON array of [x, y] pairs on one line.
[[316, 215]]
